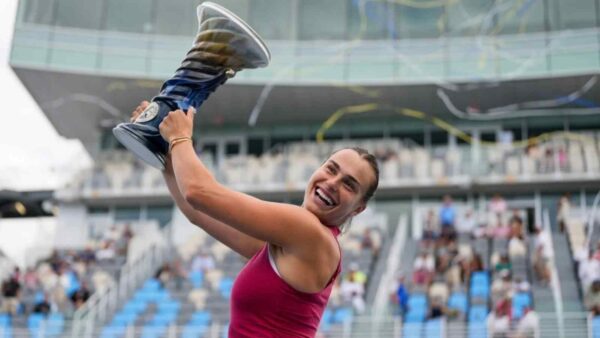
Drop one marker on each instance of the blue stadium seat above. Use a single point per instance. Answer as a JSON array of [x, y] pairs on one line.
[[151, 284], [417, 308], [596, 327], [4, 320], [166, 307], [417, 300], [194, 331], [458, 301], [197, 279], [154, 331], [480, 291], [480, 278], [225, 286], [135, 306], [55, 324], [412, 330], [477, 329], [124, 318], [433, 328], [342, 315], [414, 316], [5, 327], [200, 318], [111, 331], [326, 320], [161, 319], [225, 333], [478, 314], [34, 323], [73, 284], [520, 301]]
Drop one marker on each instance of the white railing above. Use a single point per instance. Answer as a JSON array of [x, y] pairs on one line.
[[387, 280], [102, 304], [555, 280]]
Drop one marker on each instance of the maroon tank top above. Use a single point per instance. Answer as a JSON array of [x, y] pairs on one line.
[[264, 305]]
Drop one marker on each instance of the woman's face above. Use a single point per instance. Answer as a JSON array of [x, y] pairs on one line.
[[336, 190]]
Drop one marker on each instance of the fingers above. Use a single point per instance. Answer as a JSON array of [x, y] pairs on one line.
[[138, 110]]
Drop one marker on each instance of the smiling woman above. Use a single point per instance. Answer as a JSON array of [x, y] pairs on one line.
[[293, 250]]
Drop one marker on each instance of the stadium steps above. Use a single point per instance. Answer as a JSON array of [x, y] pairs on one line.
[[569, 285]]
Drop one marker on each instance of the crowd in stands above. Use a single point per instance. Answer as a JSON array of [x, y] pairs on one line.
[[472, 269], [54, 288], [192, 290]]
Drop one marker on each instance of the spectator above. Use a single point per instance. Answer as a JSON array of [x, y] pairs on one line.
[[520, 285], [515, 218], [562, 214], [203, 262], [516, 247], [353, 292], [516, 225], [423, 269], [80, 296], [107, 252], [402, 295], [371, 242], [439, 290], [501, 230], [543, 255], [502, 287], [431, 232], [437, 308], [589, 270], [467, 224], [498, 205], [503, 264], [88, 255], [498, 325], [163, 274], [43, 307], [356, 274], [529, 325], [11, 291], [179, 273], [448, 218], [30, 280], [592, 298]]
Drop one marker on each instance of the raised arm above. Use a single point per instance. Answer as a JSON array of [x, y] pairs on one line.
[[287, 226], [234, 239], [239, 242]]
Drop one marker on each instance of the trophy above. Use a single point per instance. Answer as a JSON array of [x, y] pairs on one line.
[[224, 45]]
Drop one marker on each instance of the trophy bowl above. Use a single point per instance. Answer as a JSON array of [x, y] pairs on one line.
[[224, 45]]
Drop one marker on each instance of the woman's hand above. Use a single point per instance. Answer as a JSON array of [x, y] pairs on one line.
[[177, 124], [138, 110]]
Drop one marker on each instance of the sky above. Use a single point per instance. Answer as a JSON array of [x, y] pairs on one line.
[[33, 155]]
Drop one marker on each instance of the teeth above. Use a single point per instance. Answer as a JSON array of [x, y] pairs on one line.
[[325, 198]]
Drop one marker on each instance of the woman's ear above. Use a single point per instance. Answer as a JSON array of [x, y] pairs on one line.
[[359, 209]]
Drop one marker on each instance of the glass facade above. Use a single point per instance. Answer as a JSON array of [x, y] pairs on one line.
[[348, 41], [331, 19]]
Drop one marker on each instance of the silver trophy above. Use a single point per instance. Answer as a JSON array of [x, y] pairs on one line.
[[224, 45]]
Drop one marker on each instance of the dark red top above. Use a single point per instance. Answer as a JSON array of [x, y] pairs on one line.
[[264, 305]]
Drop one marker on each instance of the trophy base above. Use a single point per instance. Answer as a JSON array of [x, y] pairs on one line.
[[142, 143]]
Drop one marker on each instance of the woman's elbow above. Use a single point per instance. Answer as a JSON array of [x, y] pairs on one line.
[[193, 197]]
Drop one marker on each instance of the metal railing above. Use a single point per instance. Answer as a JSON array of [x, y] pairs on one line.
[[101, 305], [392, 264], [555, 280]]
